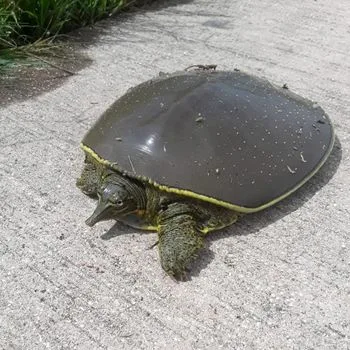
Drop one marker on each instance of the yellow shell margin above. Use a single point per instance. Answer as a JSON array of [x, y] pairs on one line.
[[191, 194]]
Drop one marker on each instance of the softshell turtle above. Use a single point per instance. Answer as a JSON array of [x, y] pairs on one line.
[[188, 153]]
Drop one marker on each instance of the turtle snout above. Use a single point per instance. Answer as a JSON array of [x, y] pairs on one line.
[[91, 221], [101, 213]]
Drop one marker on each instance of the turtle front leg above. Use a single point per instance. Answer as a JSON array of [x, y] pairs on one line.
[[179, 240], [89, 180]]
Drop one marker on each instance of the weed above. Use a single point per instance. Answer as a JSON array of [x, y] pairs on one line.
[[28, 21]]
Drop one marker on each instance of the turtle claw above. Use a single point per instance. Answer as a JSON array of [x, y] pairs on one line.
[[183, 276]]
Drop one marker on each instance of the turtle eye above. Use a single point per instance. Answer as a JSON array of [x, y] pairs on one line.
[[119, 203]]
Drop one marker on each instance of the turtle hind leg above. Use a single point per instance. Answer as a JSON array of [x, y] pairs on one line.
[[215, 218], [89, 179], [179, 241]]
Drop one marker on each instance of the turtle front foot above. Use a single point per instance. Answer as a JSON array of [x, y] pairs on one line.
[[179, 243], [88, 180]]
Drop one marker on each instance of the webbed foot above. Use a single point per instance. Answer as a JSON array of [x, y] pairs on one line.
[[88, 180], [179, 244]]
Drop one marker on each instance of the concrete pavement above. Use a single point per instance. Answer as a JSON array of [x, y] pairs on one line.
[[279, 279]]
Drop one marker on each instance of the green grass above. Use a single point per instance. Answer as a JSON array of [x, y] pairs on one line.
[[24, 22]]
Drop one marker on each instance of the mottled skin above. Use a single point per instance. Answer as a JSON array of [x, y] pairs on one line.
[[181, 222]]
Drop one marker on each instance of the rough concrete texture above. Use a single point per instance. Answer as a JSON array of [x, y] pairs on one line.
[[279, 279]]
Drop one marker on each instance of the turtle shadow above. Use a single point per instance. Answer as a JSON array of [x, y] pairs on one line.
[[118, 229], [252, 223]]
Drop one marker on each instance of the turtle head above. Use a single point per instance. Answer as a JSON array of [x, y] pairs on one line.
[[117, 197]]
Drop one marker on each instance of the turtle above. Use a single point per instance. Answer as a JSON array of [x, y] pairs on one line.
[[190, 152]]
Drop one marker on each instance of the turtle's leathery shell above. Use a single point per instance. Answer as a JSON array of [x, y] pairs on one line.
[[224, 135]]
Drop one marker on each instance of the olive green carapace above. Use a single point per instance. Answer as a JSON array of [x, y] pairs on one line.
[[187, 153]]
